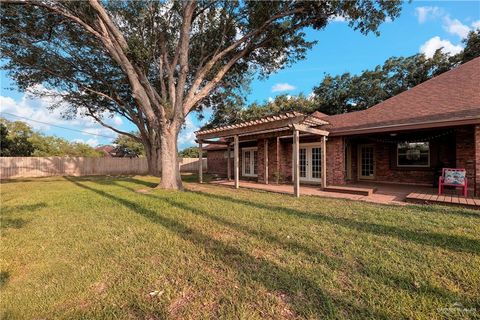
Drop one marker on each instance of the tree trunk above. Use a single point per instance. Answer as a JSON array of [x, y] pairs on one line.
[[152, 152], [170, 173], [153, 160]]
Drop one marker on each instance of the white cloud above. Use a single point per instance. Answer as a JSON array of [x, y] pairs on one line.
[[429, 47], [454, 26], [425, 13], [476, 25], [338, 19], [91, 142], [282, 87], [42, 118]]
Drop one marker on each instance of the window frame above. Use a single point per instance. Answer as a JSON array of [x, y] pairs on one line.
[[414, 165]]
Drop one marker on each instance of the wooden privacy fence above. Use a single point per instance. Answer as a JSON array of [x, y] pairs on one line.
[[29, 167]]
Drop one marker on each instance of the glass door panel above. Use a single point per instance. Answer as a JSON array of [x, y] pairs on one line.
[[367, 162], [303, 162]]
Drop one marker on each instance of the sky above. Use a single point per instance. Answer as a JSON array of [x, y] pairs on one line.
[[423, 26]]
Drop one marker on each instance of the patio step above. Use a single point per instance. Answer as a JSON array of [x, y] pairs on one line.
[[351, 190]]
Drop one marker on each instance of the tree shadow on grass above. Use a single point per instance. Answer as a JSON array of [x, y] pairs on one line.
[[390, 279], [4, 277], [395, 281], [449, 242], [312, 300], [448, 210], [24, 208], [8, 222]]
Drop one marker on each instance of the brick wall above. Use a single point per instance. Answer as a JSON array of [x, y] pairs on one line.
[[335, 161], [454, 150], [386, 167], [442, 150], [217, 163], [261, 160], [477, 160], [466, 153]]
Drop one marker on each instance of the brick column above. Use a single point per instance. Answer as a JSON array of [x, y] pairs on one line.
[[335, 161], [261, 160], [477, 160], [466, 153]]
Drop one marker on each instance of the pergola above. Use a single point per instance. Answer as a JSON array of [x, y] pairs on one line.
[[290, 123]]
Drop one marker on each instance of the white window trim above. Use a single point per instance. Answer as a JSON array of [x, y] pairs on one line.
[[244, 150], [415, 165]]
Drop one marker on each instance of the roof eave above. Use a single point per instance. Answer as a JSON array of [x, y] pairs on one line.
[[407, 126]]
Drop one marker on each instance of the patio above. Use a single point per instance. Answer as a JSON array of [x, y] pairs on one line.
[[381, 193]]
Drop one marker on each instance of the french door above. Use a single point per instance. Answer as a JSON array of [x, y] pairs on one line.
[[310, 163], [366, 161], [249, 162]]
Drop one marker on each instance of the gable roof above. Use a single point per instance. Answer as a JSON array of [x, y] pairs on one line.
[[449, 97]]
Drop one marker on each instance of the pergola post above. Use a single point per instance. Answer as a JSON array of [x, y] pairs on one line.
[[296, 164], [235, 161], [265, 147], [324, 161], [200, 162], [229, 169]]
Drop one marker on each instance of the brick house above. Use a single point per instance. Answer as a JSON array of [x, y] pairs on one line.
[[406, 139]]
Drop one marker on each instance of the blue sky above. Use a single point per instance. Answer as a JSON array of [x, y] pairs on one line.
[[423, 26]]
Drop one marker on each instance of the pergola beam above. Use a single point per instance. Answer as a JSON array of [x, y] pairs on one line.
[[253, 129], [213, 142], [304, 128]]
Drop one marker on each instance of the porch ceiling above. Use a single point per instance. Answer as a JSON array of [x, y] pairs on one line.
[[268, 124]]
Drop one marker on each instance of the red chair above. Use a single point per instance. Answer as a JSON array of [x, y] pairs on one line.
[[453, 178]]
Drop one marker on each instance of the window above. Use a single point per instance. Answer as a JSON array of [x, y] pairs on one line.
[[413, 154]]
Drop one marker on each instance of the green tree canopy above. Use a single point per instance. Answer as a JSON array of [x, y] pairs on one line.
[[191, 152], [129, 146], [20, 140]]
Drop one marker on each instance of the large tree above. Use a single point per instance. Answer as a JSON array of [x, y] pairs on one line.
[[155, 62]]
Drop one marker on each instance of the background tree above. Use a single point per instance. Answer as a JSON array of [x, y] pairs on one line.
[[5, 141], [472, 46], [155, 62], [128, 145], [191, 152], [18, 139]]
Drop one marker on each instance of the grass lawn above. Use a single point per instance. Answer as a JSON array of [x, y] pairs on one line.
[[93, 247]]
